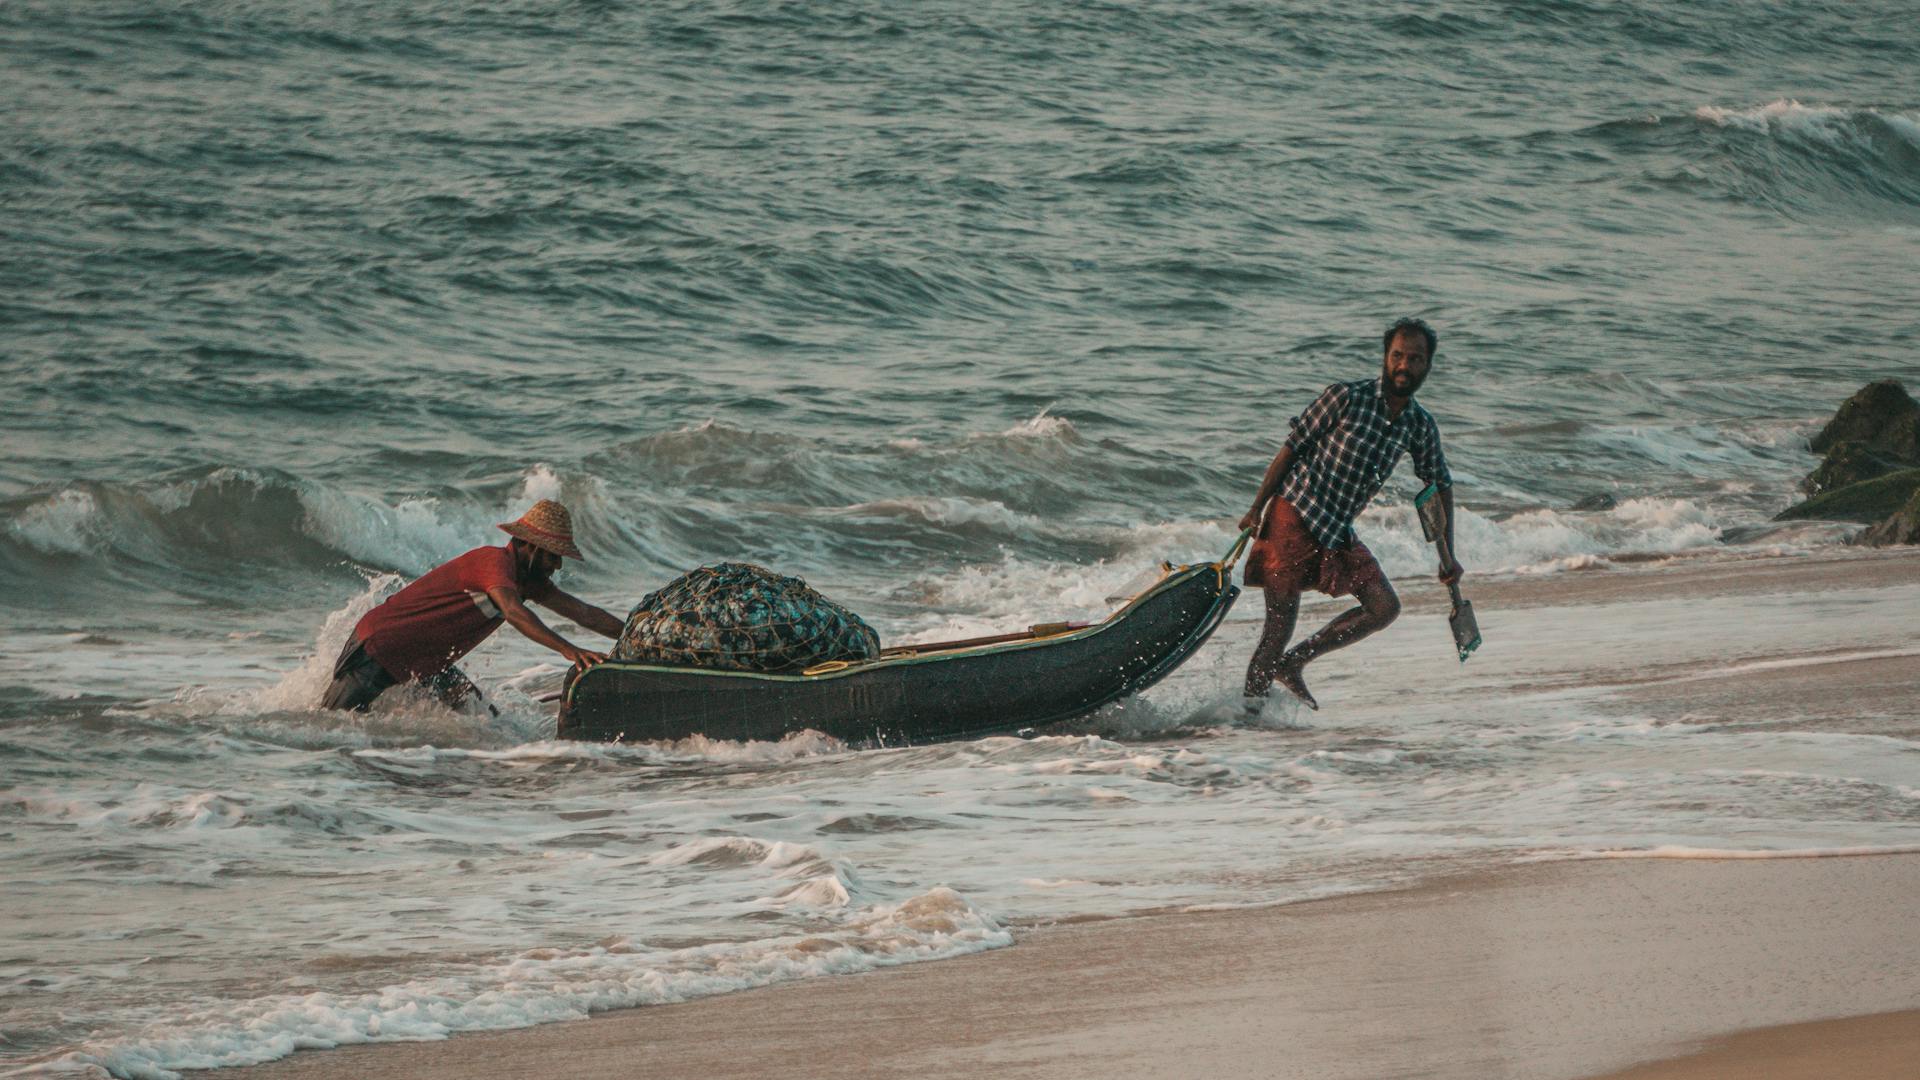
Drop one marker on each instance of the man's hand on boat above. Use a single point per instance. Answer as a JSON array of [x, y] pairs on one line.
[[583, 659]]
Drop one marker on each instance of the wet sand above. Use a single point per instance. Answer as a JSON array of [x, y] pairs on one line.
[[1886, 1045], [1553, 970], [1706, 968]]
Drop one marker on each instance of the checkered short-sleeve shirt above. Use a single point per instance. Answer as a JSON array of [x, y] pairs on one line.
[[1345, 446]]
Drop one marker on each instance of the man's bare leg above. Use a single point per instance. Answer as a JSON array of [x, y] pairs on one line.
[[1379, 606], [1283, 606], [454, 689]]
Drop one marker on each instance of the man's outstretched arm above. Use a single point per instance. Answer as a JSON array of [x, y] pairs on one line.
[[568, 606], [529, 624]]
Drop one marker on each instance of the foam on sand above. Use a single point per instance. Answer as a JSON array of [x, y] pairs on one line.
[[540, 986]]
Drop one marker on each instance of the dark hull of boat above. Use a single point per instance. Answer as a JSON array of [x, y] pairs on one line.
[[911, 699]]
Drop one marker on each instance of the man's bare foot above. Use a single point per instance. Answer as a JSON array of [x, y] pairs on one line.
[[1289, 677]]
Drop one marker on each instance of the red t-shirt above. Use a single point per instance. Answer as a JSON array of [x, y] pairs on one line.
[[422, 629]]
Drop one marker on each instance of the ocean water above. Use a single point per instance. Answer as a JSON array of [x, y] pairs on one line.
[[965, 313]]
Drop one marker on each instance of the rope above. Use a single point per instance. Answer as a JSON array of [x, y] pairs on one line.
[[1233, 554]]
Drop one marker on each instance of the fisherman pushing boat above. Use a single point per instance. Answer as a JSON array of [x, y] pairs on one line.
[[418, 633], [1337, 455]]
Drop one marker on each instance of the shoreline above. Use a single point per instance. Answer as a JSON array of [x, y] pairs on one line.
[[1562, 969]]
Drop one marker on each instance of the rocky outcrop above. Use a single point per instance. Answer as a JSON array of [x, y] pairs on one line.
[[1882, 417], [1867, 502], [1847, 463], [1902, 528], [1872, 469]]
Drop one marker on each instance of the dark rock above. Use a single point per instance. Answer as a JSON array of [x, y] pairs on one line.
[[1597, 501], [1882, 417], [1903, 527], [1874, 435], [1847, 463], [1866, 502]]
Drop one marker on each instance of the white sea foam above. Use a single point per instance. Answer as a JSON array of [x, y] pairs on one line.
[[540, 482], [1825, 123], [413, 535], [1781, 110], [819, 882], [1540, 541], [696, 748], [943, 510], [734, 849], [542, 986], [146, 806], [302, 687], [1042, 425], [64, 523], [1178, 541], [1007, 595]]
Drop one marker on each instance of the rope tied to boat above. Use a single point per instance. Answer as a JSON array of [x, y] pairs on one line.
[[1233, 553]]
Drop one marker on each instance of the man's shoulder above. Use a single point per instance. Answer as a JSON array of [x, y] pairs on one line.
[[482, 567], [490, 562], [1354, 391], [1422, 417], [1340, 393], [490, 553]]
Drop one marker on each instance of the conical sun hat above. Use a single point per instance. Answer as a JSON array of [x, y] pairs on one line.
[[547, 526]]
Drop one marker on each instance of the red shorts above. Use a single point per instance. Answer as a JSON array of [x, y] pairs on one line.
[[1285, 555]]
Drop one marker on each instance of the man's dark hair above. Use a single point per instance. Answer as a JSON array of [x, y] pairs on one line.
[[1420, 325]]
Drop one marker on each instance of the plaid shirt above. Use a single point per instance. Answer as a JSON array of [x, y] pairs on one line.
[[1345, 446]]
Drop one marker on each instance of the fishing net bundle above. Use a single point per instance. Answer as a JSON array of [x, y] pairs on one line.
[[741, 617]]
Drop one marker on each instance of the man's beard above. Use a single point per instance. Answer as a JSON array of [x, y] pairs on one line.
[[529, 573], [1395, 388]]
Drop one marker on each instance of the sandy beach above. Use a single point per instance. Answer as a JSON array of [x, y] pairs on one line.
[[1882, 1045], [1564, 970], [1673, 967]]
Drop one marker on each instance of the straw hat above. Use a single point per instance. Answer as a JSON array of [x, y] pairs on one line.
[[547, 526]]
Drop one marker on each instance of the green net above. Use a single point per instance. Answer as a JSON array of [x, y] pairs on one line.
[[740, 617]]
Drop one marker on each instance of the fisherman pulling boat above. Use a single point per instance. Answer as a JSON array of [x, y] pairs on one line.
[[1338, 453]]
